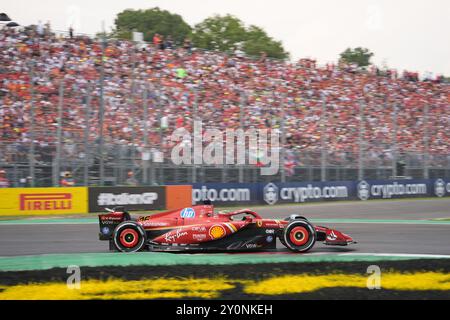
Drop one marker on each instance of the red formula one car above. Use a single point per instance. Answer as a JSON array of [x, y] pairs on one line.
[[199, 228]]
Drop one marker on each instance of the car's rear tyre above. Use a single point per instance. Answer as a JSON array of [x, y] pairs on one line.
[[299, 236], [129, 236]]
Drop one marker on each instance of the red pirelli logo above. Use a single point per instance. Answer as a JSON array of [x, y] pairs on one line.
[[46, 201]]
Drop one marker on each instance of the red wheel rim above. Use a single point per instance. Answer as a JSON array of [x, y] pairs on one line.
[[299, 236], [129, 238]]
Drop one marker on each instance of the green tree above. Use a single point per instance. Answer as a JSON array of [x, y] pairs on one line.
[[221, 33], [149, 22], [225, 33], [360, 56], [258, 41]]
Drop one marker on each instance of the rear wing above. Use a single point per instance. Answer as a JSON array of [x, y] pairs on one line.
[[109, 221]]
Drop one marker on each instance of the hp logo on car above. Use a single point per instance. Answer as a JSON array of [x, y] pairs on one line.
[[187, 213]]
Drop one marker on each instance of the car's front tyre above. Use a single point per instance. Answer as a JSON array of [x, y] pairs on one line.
[[299, 236]]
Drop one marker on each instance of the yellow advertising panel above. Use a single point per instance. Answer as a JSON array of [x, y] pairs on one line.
[[25, 201]]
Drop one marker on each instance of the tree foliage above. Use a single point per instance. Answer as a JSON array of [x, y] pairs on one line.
[[258, 41], [360, 56], [149, 22], [227, 33], [223, 33]]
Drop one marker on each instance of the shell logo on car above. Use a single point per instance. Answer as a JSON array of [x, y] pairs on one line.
[[216, 232]]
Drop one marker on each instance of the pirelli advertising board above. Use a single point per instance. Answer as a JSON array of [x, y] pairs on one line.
[[28, 201], [18, 201]]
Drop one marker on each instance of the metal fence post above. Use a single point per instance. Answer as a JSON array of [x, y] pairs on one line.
[[87, 116], [145, 159], [57, 170], [243, 101], [150, 88], [283, 138], [394, 141], [31, 155], [161, 138], [361, 142], [194, 118], [323, 160], [102, 113], [426, 142], [131, 108]]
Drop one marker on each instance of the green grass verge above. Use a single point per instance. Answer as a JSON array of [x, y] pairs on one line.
[[49, 261]]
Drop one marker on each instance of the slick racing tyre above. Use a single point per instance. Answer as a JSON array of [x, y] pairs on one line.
[[129, 237], [299, 236]]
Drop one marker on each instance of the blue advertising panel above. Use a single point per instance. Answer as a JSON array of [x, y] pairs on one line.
[[225, 193], [301, 192]]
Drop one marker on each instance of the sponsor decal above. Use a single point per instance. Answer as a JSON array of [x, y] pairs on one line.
[[174, 235], [45, 201], [270, 231], [199, 228], [199, 236], [269, 239], [251, 245], [216, 231], [105, 230], [259, 223], [111, 199], [149, 222], [155, 224], [110, 218], [270, 192], [187, 213], [109, 221], [231, 227], [363, 191], [272, 223], [331, 236], [439, 188]]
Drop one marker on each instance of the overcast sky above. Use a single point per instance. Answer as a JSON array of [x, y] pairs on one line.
[[404, 34]]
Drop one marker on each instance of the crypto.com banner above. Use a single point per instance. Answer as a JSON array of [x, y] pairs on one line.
[[273, 193], [301, 192]]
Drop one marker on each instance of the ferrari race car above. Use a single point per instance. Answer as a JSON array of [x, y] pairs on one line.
[[199, 228]]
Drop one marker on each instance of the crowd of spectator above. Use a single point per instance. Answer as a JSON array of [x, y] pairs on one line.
[[184, 83]]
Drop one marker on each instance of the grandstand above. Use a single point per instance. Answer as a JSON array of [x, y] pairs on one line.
[[95, 108]]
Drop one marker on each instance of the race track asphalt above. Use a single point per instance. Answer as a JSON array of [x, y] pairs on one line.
[[382, 236]]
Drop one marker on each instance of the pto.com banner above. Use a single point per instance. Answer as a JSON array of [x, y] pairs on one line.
[[274, 193], [25, 201], [225, 193]]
